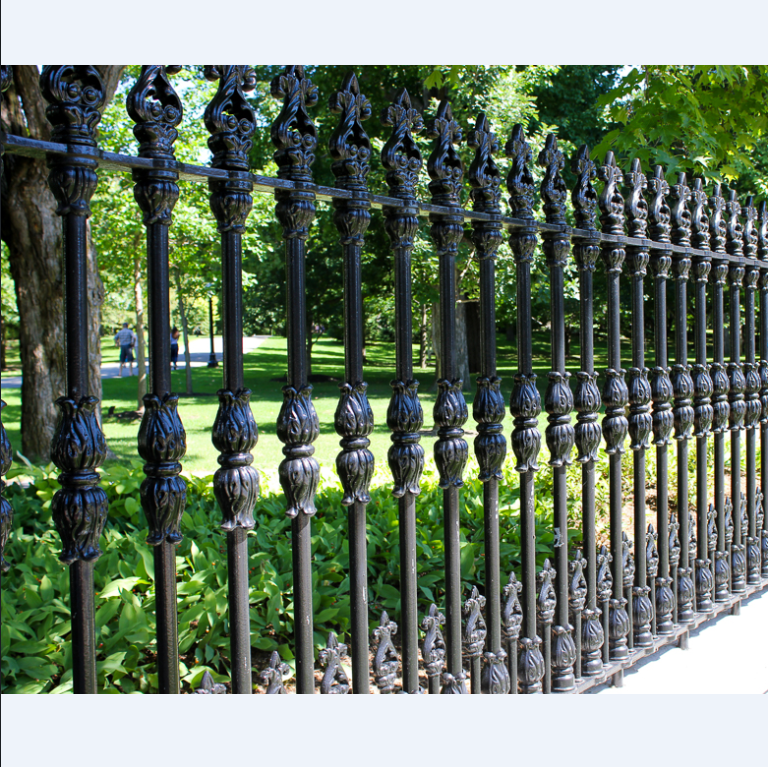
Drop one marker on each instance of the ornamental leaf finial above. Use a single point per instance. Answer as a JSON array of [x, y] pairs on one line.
[[444, 165], [636, 206], [293, 132], [584, 196], [553, 189], [611, 202], [520, 181], [400, 156], [350, 147], [156, 109]]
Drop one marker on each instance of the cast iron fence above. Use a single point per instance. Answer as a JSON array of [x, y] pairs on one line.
[[580, 620]]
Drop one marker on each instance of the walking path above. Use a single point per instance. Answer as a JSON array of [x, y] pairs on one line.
[[728, 655], [199, 352]]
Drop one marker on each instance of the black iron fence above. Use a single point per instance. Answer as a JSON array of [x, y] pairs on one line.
[[586, 616]]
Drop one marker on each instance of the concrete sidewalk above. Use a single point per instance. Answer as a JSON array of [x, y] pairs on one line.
[[199, 352], [728, 655]]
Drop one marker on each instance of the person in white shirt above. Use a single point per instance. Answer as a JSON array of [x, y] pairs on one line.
[[126, 340]]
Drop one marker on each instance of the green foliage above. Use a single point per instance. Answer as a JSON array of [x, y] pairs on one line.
[[36, 613], [702, 119]]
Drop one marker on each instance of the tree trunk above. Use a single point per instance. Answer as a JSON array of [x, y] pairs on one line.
[[184, 332], [33, 233], [423, 336], [437, 344], [141, 354], [462, 350]]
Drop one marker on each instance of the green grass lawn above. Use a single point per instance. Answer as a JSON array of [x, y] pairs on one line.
[[263, 370]]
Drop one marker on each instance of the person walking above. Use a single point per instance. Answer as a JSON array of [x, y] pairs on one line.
[[174, 346], [126, 339]]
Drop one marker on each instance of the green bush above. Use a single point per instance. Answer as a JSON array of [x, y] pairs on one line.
[[35, 607]]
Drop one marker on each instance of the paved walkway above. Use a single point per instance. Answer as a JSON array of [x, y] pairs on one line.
[[199, 352], [728, 655]]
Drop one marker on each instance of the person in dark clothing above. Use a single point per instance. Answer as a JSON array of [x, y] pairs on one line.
[[174, 346]]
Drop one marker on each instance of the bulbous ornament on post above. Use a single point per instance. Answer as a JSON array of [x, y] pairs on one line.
[[640, 422], [406, 456], [494, 679], [385, 661], [685, 590], [530, 665], [587, 432], [433, 648], [80, 508], [683, 411], [738, 568], [705, 583], [563, 658], [451, 450], [297, 428], [236, 483], [490, 444], [335, 680], [162, 443], [722, 576], [592, 639], [615, 397], [618, 628], [665, 606], [354, 423], [525, 406], [703, 412], [560, 434], [6, 510], [454, 684], [642, 615], [475, 631], [272, 676], [721, 409]]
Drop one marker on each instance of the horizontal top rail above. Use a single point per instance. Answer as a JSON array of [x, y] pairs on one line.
[[28, 147]]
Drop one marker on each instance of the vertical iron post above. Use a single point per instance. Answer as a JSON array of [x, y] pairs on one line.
[[762, 254], [75, 94], [659, 216], [157, 111], [702, 402], [295, 137], [720, 385], [752, 393], [6, 454], [450, 411], [640, 420], [558, 402], [230, 120], [350, 151], [587, 434], [682, 384], [525, 403], [615, 397], [402, 161], [738, 385], [488, 407]]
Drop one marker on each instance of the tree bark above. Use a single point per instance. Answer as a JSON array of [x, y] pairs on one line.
[[184, 332], [141, 353], [33, 233], [423, 337], [462, 350]]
